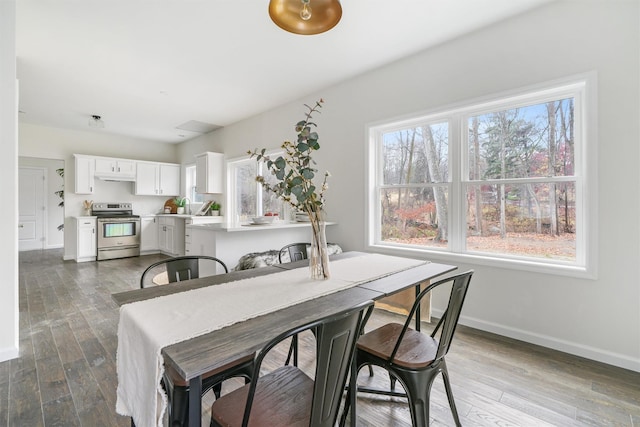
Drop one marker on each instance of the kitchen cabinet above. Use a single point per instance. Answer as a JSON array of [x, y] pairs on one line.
[[86, 239], [149, 234], [84, 174], [197, 247], [171, 235], [209, 173], [117, 169], [157, 179]]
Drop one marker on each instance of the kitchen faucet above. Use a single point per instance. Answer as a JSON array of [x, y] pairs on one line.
[[189, 205]]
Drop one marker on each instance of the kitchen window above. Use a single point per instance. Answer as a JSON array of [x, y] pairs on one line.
[[502, 182], [247, 198], [190, 180]]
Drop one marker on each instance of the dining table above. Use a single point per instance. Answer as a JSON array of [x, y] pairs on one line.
[[195, 355]]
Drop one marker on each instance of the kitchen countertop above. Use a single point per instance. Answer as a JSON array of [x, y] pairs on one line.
[[226, 228]]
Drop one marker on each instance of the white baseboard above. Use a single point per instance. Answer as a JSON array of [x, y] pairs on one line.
[[577, 349], [9, 353]]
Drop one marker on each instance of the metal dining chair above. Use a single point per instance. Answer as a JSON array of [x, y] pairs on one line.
[[411, 357], [177, 269], [174, 270], [287, 396], [295, 251]]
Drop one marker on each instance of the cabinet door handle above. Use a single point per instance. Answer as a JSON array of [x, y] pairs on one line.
[[20, 225]]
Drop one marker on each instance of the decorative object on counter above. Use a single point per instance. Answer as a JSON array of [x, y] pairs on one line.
[[262, 220], [215, 209], [180, 204], [204, 208], [294, 172], [171, 204], [87, 205]]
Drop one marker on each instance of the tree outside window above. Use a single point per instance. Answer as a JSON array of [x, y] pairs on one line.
[[515, 190]]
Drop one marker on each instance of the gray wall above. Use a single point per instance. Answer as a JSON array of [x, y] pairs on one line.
[[598, 319], [8, 182]]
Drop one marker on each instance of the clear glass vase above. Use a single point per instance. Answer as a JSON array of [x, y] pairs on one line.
[[319, 256]]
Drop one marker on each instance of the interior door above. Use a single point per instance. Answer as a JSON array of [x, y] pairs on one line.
[[31, 199]]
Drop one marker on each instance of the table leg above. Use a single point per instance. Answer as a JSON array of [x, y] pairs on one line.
[[195, 401], [418, 310]]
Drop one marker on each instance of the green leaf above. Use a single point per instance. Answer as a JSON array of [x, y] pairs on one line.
[[302, 147], [307, 173]]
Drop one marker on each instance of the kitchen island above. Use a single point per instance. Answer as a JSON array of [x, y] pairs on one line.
[[229, 242]]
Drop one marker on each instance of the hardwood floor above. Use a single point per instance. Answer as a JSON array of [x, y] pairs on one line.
[[66, 375]]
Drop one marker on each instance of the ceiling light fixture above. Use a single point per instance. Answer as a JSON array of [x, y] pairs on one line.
[[96, 122], [297, 16]]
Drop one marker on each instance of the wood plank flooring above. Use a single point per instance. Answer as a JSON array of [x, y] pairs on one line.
[[66, 375]]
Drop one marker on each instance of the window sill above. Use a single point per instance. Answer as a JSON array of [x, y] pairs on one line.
[[532, 265]]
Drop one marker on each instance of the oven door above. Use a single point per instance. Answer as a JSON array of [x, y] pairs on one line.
[[118, 237]]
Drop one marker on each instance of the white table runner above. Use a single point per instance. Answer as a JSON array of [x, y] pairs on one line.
[[146, 327]]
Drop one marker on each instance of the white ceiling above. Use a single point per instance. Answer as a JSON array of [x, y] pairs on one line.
[[148, 66]]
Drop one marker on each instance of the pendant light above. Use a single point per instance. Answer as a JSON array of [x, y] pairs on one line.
[[305, 17]]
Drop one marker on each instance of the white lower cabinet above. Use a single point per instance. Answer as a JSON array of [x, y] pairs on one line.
[[194, 242], [149, 234], [171, 235], [86, 239]]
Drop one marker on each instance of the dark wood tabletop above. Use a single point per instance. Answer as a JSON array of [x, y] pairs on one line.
[[195, 356]]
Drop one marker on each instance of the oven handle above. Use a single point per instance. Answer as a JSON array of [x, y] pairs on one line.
[[119, 219]]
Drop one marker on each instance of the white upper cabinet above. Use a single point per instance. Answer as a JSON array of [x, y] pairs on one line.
[[84, 180], [169, 179], [157, 179], [118, 169], [209, 173]]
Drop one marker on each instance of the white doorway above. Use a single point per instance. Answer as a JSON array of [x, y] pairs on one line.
[[32, 208]]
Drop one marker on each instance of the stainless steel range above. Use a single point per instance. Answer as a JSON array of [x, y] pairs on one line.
[[118, 230]]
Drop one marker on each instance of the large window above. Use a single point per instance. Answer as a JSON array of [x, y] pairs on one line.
[[247, 197], [502, 180]]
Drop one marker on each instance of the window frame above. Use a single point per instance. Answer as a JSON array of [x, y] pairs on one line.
[[190, 191], [232, 185], [583, 89]]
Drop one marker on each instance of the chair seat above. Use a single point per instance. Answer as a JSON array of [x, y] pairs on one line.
[[283, 398], [177, 380], [416, 351]]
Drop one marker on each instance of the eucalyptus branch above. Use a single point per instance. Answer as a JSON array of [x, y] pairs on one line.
[[295, 169]]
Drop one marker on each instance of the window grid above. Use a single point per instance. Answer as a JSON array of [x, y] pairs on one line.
[[459, 179]]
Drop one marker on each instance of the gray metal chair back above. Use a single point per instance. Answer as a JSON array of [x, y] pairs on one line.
[[296, 251], [417, 360], [277, 402], [181, 268]]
